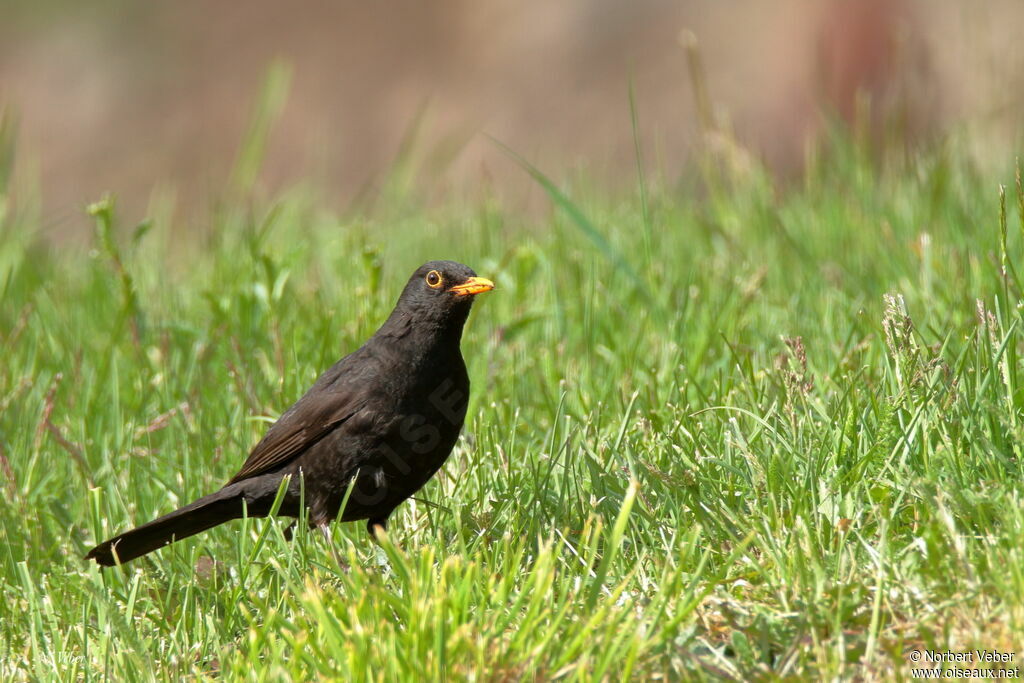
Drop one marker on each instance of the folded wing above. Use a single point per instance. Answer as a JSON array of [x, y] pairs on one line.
[[337, 395]]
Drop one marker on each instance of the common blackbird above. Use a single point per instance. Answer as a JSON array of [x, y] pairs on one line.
[[374, 427]]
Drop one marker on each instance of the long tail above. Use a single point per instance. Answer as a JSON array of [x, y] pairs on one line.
[[200, 515]]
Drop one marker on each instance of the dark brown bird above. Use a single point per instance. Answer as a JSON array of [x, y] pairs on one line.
[[375, 427]]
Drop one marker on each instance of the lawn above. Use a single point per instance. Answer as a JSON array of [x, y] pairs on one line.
[[721, 426]]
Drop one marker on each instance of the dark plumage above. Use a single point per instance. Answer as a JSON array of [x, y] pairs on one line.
[[384, 417]]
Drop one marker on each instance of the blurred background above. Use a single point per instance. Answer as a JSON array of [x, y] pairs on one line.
[[141, 98]]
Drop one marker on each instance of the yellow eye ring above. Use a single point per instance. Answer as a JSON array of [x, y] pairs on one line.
[[434, 279]]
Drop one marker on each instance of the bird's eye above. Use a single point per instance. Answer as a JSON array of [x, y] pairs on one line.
[[434, 279]]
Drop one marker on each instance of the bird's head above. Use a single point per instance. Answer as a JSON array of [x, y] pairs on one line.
[[440, 293]]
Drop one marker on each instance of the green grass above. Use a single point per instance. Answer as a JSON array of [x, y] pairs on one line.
[[717, 429]]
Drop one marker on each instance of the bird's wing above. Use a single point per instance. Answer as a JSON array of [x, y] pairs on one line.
[[335, 397]]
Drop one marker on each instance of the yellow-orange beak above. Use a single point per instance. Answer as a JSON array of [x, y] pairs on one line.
[[474, 285]]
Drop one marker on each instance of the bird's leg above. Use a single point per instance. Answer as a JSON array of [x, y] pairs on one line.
[[325, 529], [290, 531], [377, 527]]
